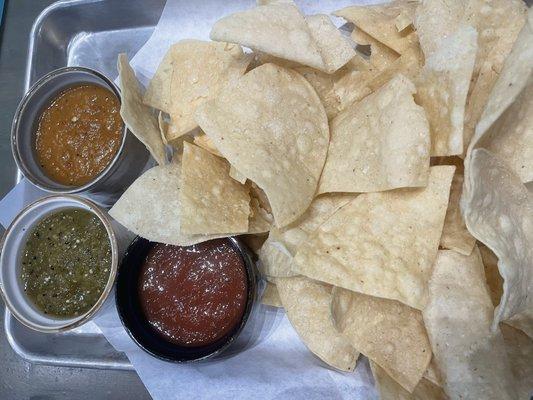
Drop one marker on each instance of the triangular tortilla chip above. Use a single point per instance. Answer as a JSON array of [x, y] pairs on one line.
[[389, 333], [307, 304], [211, 202], [458, 317], [378, 21], [273, 129], [389, 389], [277, 252], [139, 118], [381, 244], [380, 143], [442, 87], [281, 30]]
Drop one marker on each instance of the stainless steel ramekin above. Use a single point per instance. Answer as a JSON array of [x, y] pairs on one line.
[[125, 167], [12, 246]]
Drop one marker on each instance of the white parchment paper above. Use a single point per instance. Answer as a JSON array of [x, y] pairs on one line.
[[276, 364]]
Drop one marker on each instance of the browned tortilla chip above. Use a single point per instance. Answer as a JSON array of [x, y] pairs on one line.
[[381, 244], [455, 236], [271, 296], [280, 29], [389, 333], [442, 87], [380, 143], [211, 202], [471, 357], [498, 211], [378, 21], [307, 304], [273, 129], [139, 118], [278, 251], [390, 390]]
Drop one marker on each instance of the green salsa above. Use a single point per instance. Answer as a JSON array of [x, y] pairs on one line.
[[66, 262]]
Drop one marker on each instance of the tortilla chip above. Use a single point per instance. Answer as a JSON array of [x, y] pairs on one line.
[[237, 175], [381, 244], [378, 21], [436, 20], [406, 17], [380, 143], [522, 321], [492, 275], [506, 126], [206, 143], [408, 64], [381, 56], [211, 202], [433, 374], [280, 29], [341, 89], [499, 22], [498, 211], [442, 87], [278, 251], [390, 390], [471, 357], [273, 129], [150, 207], [307, 304], [158, 94], [163, 127], [260, 219], [199, 70], [139, 118], [271, 296], [520, 351], [389, 333], [455, 236]]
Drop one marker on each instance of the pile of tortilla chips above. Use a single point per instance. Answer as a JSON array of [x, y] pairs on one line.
[[380, 176]]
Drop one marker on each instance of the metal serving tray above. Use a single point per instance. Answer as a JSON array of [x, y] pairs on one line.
[[87, 33]]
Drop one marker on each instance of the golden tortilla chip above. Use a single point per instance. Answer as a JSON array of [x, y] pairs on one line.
[[442, 87], [211, 202], [196, 72], [150, 207], [205, 142], [341, 89], [389, 333], [433, 374], [281, 30], [260, 220], [307, 304], [237, 175], [458, 317], [380, 143], [498, 211], [409, 65], [390, 390], [378, 21], [455, 236], [139, 118], [278, 251], [273, 129], [381, 244], [520, 351], [406, 16], [271, 296]]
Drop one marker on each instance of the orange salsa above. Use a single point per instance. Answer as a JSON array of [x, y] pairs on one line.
[[78, 134]]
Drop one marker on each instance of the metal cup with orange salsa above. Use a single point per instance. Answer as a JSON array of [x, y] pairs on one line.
[[68, 136]]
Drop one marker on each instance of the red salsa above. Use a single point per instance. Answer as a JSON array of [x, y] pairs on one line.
[[194, 295]]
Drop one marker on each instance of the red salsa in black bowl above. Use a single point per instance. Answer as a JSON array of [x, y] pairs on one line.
[[186, 303]]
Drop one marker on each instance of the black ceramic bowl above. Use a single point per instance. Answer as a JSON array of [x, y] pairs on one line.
[[135, 323]]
